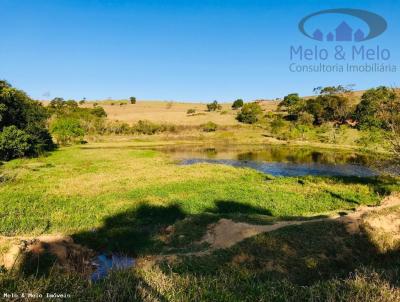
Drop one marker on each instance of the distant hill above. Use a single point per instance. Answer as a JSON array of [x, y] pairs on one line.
[[170, 112], [176, 112]]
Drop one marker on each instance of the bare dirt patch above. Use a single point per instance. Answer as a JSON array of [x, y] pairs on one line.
[[68, 255], [226, 233]]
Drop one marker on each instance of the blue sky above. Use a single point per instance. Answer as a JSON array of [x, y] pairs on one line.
[[192, 50]]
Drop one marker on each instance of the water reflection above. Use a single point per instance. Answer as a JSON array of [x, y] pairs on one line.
[[282, 160]]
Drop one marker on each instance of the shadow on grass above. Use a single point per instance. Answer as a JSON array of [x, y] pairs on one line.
[[234, 207], [138, 230], [338, 196], [382, 185], [303, 254]]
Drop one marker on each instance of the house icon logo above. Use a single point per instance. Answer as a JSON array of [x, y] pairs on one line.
[[344, 32]]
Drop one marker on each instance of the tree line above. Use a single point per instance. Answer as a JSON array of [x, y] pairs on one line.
[[28, 128]]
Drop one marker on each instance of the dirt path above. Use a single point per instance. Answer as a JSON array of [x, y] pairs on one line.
[[226, 233]]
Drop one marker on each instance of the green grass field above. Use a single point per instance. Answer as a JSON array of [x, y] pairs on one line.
[[78, 188], [115, 198]]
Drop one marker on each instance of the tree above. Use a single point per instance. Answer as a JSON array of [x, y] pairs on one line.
[[340, 89], [132, 100], [388, 111], [331, 105], [368, 112], [28, 117], [237, 104], [57, 103], [289, 101], [214, 106], [250, 113]]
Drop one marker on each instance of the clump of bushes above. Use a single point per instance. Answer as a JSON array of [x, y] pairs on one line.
[[214, 106], [122, 128], [98, 111], [70, 123], [250, 113], [237, 104], [332, 104], [191, 111], [209, 127], [377, 115], [305, 118], [58, 107], [67, 130], [145, 127]]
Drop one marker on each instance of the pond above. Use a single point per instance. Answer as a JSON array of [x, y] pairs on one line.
[[280, 160], [105, 263]]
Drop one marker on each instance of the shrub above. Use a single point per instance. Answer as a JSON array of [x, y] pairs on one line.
[[250, 113], [67, 130], [71, 104], [132, 100], [214, 106], [277, 124], [146, 127], [99, 112], [305, 118], [14, 143], [117, 127], [167, 128], [237, 104], [209, 127], [40, 138], [191, 111]]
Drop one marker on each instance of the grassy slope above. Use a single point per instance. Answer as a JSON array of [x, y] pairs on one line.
[[173, 112]]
